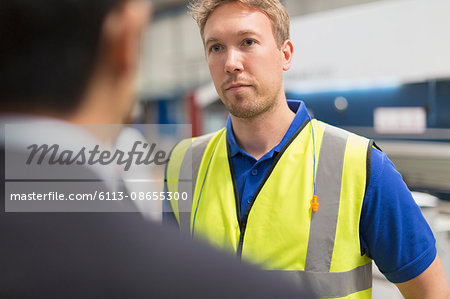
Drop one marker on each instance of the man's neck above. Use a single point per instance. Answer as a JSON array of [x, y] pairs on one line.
[[260, 134]]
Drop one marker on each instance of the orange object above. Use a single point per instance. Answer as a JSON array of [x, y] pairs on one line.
[[314, 204]]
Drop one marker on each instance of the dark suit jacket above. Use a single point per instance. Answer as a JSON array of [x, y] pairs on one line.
[[105, 255]]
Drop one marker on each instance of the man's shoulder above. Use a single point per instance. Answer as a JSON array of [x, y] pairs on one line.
[[341, 133], [182, 146], [206, 137]]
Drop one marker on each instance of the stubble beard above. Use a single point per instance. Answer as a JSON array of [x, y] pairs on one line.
[[246, 107]]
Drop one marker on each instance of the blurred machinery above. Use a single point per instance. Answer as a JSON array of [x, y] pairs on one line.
[[410, 123]]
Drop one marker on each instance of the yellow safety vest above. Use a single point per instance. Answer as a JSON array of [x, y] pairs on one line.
[[318, 250]]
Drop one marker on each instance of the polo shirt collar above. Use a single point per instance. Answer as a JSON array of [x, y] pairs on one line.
[[301, 115]]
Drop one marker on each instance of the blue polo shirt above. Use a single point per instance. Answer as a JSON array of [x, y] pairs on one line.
[[393, 231]]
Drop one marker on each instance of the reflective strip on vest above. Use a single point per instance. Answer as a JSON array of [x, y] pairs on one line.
[[188, 177], [172, 172], [328, 186], [331, 284]]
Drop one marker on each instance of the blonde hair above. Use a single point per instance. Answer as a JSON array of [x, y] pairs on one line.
[[202, 9]]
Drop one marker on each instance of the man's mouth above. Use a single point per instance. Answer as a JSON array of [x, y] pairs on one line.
[[236, 87]]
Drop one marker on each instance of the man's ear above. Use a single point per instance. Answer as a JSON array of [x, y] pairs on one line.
[[287, 49], [121, 36]]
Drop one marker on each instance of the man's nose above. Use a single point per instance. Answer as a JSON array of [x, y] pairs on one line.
[[234, 61]]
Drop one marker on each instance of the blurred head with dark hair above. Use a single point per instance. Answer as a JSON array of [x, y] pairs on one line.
[[70, 58]]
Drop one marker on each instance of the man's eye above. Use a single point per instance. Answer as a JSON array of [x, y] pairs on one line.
[[215, 48], [249, 42]]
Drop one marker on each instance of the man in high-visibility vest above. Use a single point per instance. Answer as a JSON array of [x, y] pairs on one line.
[[286, 191]]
